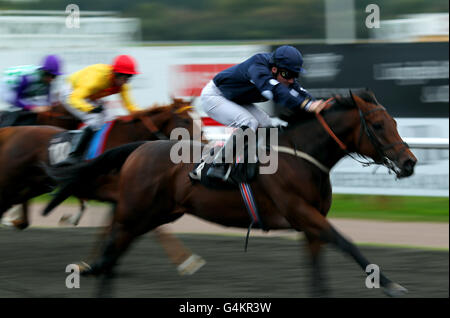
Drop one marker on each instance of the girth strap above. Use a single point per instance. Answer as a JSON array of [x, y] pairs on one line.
[[302, 155], [252, 209]]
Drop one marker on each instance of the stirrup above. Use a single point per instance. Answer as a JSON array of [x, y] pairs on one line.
[[196, 174], [214, 173]]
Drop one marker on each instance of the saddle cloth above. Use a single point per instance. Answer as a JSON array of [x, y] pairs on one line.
[[62, 144]]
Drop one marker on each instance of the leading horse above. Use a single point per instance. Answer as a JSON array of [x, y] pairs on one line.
[[153, 190]]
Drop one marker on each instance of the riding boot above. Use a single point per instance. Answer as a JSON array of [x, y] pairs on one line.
[[220, 168], [79, 146]]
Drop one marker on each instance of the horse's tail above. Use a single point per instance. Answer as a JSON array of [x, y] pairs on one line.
[[71, 177]]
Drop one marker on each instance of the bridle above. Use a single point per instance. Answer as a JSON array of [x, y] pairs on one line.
[[378, 146], [373, 138]]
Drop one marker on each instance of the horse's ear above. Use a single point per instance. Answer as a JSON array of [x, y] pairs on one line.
[[353, 98], [372, 95], [357, 101]]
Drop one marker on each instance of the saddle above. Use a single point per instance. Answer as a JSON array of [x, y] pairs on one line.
[[63, 144], [243, 172]]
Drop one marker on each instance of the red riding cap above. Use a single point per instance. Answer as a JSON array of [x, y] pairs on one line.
[[125, 64]]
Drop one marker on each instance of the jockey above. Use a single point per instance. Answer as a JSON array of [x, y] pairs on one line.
[[84, 90], [28, 87], [229, 97]]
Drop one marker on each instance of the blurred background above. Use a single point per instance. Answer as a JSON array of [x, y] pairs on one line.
[[398, 49]]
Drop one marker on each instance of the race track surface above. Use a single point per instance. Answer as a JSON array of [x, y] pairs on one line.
[[33, 264]]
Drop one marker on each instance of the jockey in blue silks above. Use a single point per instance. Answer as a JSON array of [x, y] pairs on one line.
[[229, 97]]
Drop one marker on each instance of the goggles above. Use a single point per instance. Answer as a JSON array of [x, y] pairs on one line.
[[287, 74]]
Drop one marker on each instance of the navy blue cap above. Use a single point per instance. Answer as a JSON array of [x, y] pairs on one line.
[[288, 57]]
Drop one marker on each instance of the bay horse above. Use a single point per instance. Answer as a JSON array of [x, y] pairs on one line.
[[56, 115], [23, 148], [153, 190]]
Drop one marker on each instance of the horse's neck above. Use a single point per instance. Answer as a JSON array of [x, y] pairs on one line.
[[312, 138], [141, 130], [66, 120]]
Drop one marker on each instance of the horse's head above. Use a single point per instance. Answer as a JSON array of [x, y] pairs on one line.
[[167, 118], [377, 136]]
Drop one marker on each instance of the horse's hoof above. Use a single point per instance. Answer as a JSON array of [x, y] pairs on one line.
[[395, 290], [85, 269], [20, 224], [191, 265], [65, 220]]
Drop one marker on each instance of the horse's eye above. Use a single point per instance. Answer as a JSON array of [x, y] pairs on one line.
[[377, 126]]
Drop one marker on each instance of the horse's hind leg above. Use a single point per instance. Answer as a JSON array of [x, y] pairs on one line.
[[17, 216], [23, 223]]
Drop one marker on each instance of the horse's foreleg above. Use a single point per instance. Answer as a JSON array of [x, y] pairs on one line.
[[314, 246], [390, 288], [187, 263], [317, 226], [118, 242]]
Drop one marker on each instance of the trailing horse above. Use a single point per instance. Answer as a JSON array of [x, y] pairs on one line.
[[24, 149], [153, 190]]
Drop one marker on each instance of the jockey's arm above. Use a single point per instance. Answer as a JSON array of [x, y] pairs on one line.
[[290, 97], [20, 101], [126, 98], [78, 99]]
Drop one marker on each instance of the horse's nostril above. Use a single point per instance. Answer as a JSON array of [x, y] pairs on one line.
[[408, 167]]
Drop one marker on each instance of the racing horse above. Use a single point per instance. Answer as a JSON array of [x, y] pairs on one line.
[[23, 148], [56, 115], [153, 190]]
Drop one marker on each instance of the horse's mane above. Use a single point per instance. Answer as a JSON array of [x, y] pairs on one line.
[[339, 104]]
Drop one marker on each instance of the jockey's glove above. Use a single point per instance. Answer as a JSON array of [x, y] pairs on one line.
[[97, 109]]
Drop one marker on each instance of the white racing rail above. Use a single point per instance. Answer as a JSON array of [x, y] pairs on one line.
[[427, 143]]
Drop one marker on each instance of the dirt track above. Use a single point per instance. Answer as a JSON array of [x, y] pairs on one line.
[[33, 265], [362, 231], [33, 262]]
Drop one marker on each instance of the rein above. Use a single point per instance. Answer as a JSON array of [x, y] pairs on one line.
[[150, 125], [327, 128], [379, 147]]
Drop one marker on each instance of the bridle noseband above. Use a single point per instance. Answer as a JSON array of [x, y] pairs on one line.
[[378, 146]]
